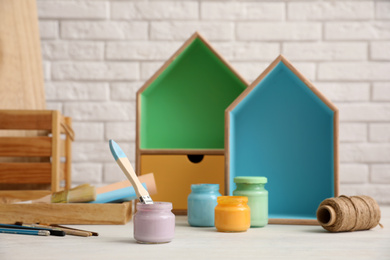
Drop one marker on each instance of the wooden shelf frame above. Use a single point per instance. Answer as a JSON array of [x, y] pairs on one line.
[[319, 95], [186, 44], [183, 151]]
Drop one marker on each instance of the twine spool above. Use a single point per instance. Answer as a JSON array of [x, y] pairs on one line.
[[348, 213]]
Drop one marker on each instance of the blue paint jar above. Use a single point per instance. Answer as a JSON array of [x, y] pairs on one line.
[[201, 204]]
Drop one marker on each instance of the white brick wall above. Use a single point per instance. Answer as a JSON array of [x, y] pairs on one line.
[[223, 10], [98, 53], [331, 10], [73, 9], [141, 10], [59, 50], [180, 30], [104, 30], [278, 31], [94, 71]]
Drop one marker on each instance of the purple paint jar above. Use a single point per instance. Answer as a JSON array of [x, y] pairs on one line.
[[154, 223]]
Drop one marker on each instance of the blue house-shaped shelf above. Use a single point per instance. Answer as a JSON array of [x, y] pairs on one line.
[[283, 128]]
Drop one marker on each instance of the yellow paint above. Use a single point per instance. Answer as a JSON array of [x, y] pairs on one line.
[[232, 214], [174, 175]]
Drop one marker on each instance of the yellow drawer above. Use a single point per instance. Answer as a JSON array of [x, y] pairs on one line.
[[174, 175]]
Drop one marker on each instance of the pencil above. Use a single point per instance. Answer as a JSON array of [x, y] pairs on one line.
[[25, 232], [51, 231]]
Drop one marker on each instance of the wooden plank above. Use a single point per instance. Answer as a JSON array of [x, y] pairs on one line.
[[62, 171], [137, 134], [336, 154], [68, 213], [62, 147], [182, 151], [66, 127], [55, 158], [24, 194], [68, 156], [25, 146], [25, 119], [283, 221], [21, 75], [226, 152], [25, 172]]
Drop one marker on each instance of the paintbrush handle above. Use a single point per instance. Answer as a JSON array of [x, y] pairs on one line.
[[29, 227], [69, 231], [25, 232], [125, 165], [128, 170]]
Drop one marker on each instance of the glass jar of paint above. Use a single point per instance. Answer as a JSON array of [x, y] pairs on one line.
[[201, 204], [154, 223], [253, 188], [232, 214]]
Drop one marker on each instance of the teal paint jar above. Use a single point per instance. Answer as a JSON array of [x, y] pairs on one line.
[[201, 204], [253, 188]]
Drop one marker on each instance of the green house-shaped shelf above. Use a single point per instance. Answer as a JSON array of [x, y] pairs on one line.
[[283, 128], [180, 114]]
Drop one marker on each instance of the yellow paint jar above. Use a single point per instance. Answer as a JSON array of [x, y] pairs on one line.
[[232, 214]]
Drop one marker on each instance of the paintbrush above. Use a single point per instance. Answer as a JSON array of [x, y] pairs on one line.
[[125, 165], [53, 232], [25, 232], [68, 231], [91, 232], [81, 193]]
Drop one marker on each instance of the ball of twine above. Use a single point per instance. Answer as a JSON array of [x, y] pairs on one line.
[[349, 213]]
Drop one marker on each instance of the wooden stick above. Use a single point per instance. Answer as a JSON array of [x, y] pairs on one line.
[[55, 157], [68, 156]]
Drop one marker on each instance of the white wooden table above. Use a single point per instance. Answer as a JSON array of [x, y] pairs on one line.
[[271, 242]]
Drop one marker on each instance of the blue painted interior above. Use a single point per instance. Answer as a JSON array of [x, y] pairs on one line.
[[283, 131]]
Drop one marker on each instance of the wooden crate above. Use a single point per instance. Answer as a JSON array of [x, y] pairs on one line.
[[67, 213], [51, 151]]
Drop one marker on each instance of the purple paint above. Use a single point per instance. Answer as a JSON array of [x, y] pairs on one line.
[[154, 223]]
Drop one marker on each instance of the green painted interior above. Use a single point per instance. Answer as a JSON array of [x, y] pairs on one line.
[[184, 107]]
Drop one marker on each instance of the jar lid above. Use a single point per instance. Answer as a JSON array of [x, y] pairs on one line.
[[232, 200], [157, 205], [250, 179], [205, 187]]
